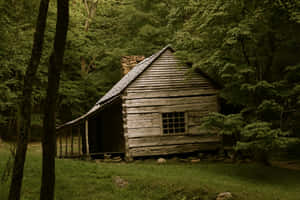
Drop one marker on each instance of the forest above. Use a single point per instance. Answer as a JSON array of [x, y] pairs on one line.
[[249, 48]]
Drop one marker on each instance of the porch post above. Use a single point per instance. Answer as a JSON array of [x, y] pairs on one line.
[[87, 137]]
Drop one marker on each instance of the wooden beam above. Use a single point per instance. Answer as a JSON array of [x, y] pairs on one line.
[[79, 140], [60, 146], [124, 115], [72, 141], [87, 137], [66, 153], [173, 149]]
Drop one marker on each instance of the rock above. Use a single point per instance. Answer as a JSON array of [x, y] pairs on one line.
[[116, 159], [120, 182], [224, 196], [107, 156], [195, 160], [161, 160]]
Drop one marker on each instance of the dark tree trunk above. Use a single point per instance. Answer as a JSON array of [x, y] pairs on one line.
[[49, 135], [17, 176]]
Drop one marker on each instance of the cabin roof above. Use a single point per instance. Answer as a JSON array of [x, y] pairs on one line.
[[131, 76], [120, 86]]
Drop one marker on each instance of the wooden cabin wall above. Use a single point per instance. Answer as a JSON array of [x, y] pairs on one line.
[[166, 87]]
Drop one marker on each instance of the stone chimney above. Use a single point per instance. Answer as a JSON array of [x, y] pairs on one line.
[[128, 62]]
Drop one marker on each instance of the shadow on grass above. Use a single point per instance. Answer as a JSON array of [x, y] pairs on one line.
[[259, 173]]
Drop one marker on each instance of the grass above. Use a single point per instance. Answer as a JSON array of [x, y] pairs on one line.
[[86, 180]]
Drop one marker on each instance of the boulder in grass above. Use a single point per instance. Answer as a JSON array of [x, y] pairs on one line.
[[120, 182], [224, 196], [195, 160], [161, 161]]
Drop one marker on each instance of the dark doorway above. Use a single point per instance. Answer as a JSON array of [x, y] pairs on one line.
[[106, 130]]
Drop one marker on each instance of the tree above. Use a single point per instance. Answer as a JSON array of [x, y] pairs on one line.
[[17, 176], [250, 48], [49, 122]]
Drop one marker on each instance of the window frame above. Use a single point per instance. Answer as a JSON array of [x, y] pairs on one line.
[[174, 134]]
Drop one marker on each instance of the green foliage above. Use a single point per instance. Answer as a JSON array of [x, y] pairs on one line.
[[250, 48], [260, 136], [257, 138], [225, 124]]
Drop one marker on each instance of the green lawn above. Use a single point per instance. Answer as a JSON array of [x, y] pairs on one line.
[[83, 180]]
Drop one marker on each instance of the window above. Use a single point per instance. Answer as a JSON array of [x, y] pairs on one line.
[[173, 123]]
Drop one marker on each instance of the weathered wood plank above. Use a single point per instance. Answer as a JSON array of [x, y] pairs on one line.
[[165, 73], [155, 130], [167, 81], [170, 140], [172, 149], [169, 84], [163, 89], [150, 76], [141, 123], [211, 106], [173, 79], [175, 93], [142, 117], [167, 68], [169, 101], [140, 132]]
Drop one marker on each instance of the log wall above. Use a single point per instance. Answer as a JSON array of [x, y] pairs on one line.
[[167, 86]]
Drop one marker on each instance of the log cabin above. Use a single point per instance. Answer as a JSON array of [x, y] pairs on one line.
[[155, 109]]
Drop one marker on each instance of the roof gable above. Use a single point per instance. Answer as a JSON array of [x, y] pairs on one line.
[[131, 76]]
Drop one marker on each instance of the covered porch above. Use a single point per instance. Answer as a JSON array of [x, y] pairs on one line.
[[97, 133]]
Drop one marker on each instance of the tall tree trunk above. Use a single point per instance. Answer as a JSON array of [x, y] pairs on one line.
[[17, 176], [49, 135], [91, 8]]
